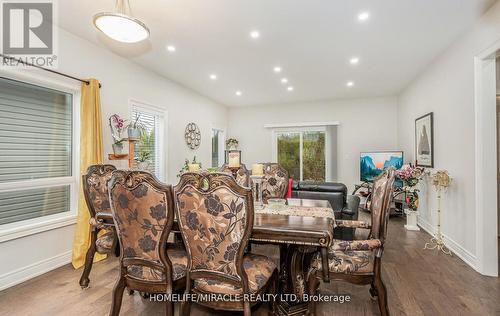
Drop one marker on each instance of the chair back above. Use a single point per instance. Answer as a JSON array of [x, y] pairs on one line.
[[143, 211], [242, 175], [215, 217], [275, 182], [381, 203], [95, 188]]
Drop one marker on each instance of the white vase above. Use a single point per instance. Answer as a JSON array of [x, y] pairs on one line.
[[411, 220], [143, 165]]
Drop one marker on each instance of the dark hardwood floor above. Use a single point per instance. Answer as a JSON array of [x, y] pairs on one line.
[[419, 283]]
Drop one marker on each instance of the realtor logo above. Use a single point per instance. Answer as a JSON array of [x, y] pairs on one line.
[[28, 31]]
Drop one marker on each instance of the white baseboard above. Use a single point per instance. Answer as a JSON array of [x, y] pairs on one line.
[[28, 272], [457, 249]]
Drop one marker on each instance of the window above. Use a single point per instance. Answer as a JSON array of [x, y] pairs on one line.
[[37, 176], [217, 147], [152, 142], [302, 152]]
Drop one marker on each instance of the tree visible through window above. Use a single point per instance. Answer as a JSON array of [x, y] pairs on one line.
[[302, 154]]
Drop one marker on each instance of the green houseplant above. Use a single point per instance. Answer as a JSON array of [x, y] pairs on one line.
[[135, 128], [145, 149]]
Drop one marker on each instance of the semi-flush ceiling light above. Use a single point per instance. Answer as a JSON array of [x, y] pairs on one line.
[[363, 16], [277, 69], [290, 88], [239, 93], [354, 60], [213, 76], [120, 25], [254, 34], [350, 83], [171, 48], [284, 80]]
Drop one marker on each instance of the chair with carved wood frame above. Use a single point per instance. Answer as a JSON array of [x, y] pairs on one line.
[[275, 181], [242, 175], [215, 217], [359, 261], [143, 211], [95, 190]]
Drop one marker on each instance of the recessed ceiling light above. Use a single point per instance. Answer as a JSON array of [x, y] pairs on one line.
[[254, 34], [239, 93], [350, 83], [213, 76], [171, 48], [290, 88], [277, 69], [363, 16], [354, 61], [284, 80]]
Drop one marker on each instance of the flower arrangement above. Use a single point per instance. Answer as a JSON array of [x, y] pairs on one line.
[[411, 176], [117, 125], [232, 143]]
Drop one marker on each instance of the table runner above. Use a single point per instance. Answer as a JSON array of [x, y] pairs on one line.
[[293, 210]]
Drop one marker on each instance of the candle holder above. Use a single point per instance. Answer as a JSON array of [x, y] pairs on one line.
[[258, 202]]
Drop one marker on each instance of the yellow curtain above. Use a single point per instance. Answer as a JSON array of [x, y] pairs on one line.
[[91, 152]]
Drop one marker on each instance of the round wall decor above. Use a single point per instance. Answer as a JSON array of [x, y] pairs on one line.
[[192, 135]]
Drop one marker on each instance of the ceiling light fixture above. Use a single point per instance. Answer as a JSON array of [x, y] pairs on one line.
[[350, 83], [239, 93], [171, 48], [290, 88], [254, 34], [213, 76], [354, 61], [120, 25], [363, 16], [277, 69], [284, 80]]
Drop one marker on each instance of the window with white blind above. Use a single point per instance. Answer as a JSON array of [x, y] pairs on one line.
[[37, 177], [217, 147], [152, 142]]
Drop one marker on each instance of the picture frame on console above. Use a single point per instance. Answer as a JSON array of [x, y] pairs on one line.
[[424, 141]]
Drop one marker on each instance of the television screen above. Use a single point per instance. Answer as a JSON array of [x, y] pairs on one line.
[[371, 164]]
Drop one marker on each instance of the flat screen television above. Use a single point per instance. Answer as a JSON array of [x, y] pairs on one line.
[[371, 164]]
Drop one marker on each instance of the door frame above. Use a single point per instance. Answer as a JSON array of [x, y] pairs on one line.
[[486, 168]]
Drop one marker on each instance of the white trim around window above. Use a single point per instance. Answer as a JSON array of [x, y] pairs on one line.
[[162, 149], [40, 224]]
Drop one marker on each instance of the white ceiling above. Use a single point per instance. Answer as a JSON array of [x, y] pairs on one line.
[[312, 40]]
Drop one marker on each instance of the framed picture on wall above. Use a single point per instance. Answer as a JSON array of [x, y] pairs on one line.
[[424, 141]]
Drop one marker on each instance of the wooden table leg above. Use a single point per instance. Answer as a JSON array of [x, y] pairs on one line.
[[324, 262], [294, 267]]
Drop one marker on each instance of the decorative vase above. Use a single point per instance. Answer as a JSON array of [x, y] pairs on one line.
[[134, 133], [118, 148], [142, 165], [411, 219]]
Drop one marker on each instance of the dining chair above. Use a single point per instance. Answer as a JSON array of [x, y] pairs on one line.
[[215, 217], [95, 190], [242, 175], [359, 261], [143, 211], [275, 181]]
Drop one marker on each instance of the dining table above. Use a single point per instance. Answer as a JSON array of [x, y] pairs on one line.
[[301, 228]]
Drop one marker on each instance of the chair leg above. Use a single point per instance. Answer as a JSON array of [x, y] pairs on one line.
[[89, 259], [185, 305], [382, 295], [373, 290], [247, 311], [117, 297], [273, 308], [169, 308], [312, 289]]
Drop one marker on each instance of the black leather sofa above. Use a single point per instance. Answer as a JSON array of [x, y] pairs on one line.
[[344, 206]]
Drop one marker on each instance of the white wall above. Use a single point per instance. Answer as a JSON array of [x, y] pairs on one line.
[[365, 124], [446, 88], [122, 80]]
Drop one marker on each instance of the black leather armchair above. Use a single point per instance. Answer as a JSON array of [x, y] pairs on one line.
[[345, 206]]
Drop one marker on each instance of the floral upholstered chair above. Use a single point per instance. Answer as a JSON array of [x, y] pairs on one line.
[[275, 182], [242, 175], [143, 211], [95, 190], [359, 261], [215, 217]]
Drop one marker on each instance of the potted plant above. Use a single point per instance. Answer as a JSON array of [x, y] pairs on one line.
[[135, 128], [192, 166], [145, 150], [116, 124], [411, 176], [232, 143]]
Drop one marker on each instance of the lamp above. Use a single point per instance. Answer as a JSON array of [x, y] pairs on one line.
[[120, 25]]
